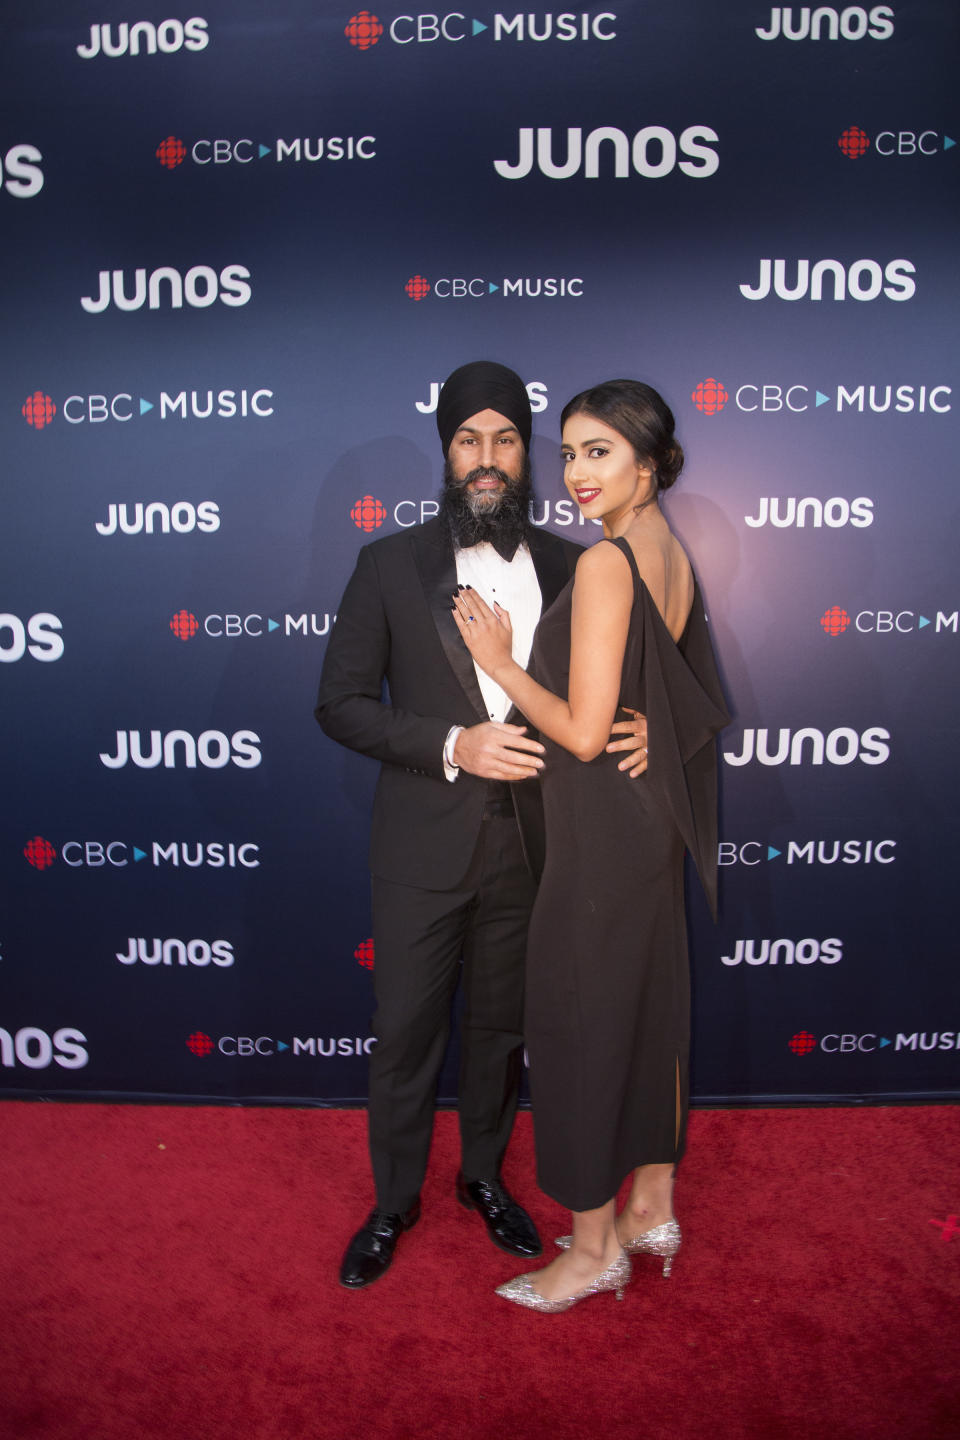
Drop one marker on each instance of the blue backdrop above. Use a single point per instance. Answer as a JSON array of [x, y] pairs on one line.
[[240, 253]]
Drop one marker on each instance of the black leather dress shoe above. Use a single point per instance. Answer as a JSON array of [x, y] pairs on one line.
[[371, 1249], [508, 1224]]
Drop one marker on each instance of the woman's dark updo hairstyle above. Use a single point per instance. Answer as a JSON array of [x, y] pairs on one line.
[[641, 416]]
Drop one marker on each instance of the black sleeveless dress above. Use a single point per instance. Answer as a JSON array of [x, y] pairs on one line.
[[608, 988]]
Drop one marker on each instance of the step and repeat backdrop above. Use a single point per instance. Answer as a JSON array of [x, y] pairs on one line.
[[242, 249]]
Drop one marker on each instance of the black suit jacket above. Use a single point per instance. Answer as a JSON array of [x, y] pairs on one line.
[[395, 624]]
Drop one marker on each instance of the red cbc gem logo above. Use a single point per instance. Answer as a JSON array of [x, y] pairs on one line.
[[363, 30], [835, 620], [38, 409], [199, 1044], [368, 514], [184, 625], [803, 1042], [417, 287], [40, 852], [171, 152], [710, 397], [854, 143], [364, 954]]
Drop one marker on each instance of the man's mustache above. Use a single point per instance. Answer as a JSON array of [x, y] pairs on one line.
[[483, 472]]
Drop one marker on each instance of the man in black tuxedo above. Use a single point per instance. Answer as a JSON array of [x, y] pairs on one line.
[[457, 832]]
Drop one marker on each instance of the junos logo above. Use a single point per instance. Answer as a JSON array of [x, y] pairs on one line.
[[862, 280], [786, 512], [35, 1049], [652, 153], [797, 747], [177, 952], [855, 142], [143, 37], [200, 287], [536, 394], [808, 852], [38, 638], [148, 517], [825, 23], [786, 952], [213, 749], [20, 173]]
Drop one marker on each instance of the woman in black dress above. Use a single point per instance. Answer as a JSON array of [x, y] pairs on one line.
[[608, 973]]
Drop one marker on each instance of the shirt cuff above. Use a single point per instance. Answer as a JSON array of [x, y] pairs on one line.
[[449, 768]]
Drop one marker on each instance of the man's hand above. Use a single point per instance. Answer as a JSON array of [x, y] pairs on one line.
[[497, 751], [635, 731]]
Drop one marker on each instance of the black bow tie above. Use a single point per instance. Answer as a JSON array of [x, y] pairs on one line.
[[505, 548]]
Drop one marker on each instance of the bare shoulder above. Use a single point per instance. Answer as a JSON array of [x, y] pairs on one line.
[[602, 560]]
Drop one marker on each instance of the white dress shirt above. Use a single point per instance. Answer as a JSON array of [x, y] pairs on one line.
[[513, 585]]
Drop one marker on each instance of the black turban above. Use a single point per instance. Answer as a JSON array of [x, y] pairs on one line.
[[482, 385]]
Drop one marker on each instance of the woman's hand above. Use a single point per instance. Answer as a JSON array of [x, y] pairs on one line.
[[635, 731], [487, 634]]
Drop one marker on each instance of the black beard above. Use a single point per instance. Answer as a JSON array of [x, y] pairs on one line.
[[502, 519]]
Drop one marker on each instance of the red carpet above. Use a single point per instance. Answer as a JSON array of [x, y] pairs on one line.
[[171, 1272]]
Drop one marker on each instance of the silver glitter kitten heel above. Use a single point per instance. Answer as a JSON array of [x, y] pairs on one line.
[[663, 1240], [521, 1292]]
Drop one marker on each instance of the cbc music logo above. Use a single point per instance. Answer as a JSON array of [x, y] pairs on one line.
[[518, 287], [808, 852], [115, 854], [185, 625], [145, 38], [711, 397], [364, 954], [36, 1050], [199, 953], [860, 279], [785, 952], [212, 749], [365, 30], [651, 153], [156, 517], [855, 142], [841, 746], [172, 152], [319, 1047], [20, 173], [853, 22], [166, 288], [38, 637], [804, 1043], [837, 621], [368, 513], [39, 409]]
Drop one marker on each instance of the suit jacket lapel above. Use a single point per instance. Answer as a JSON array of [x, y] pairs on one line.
[[433, 553], [551, 565]]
